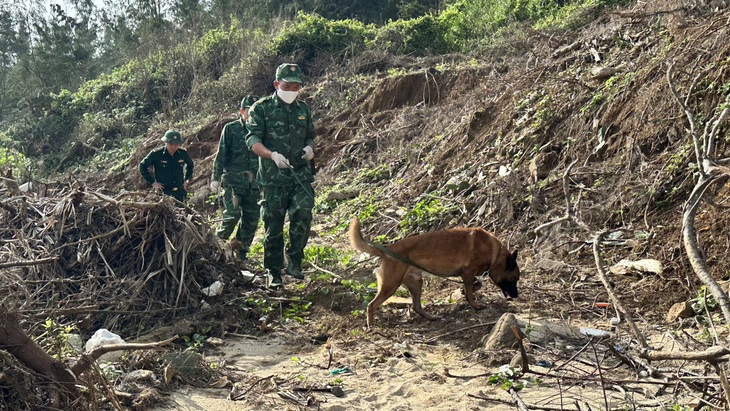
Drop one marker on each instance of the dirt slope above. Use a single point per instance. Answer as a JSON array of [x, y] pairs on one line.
[[451, 142]]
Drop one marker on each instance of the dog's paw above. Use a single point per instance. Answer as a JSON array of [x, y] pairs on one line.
[[432, 317], [478, 306]]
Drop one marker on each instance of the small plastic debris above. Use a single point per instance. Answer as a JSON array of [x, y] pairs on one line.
[[105, 337], [341, 370], [214, 289], [543, 363]]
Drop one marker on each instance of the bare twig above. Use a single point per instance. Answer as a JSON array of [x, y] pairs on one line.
[[433, 339], [237, 397], [518, 400]]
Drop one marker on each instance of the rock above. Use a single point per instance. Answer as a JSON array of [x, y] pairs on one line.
[[341, 195], [502, 336], [680, 310], [396, 301], [542, 164], [182, 327], [566, 49], [516, 361], [140, 375], [645, 266], [604, 72], [457, 184], [185, 362], [200, 196], [214, 341]]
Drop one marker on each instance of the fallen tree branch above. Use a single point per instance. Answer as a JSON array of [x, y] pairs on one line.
[[704, 147], [710, 354], [529, 406], [14, 339], [87, 360], [612, 294], [40, 261], [569, 214], [433, 339], [517, 399]]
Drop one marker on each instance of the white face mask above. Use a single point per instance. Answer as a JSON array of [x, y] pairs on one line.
[[287, 97]]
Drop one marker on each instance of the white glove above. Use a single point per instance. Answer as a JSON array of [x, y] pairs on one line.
[[308, 153], [280, 160], [215, 187]]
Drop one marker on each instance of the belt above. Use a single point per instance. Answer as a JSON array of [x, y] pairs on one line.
[[175, 188]]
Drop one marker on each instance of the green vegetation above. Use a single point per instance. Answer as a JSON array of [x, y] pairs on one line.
[[55, 339], [427, 213], [327, 256], [153, 67], [506, 377], [363, 292], [312, 35], [197, 340]]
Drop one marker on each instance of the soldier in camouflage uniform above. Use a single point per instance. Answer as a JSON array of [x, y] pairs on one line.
[[173, 167], [281, 133], [234, 169]]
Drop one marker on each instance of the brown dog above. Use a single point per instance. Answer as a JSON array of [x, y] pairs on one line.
[[465, 252]]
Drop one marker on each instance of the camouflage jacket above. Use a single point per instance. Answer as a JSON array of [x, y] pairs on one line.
[[286, 129], [235, 165], [170, 171]]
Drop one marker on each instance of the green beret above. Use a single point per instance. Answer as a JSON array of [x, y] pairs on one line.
[[172, 136], [248, 101], [291, 73]]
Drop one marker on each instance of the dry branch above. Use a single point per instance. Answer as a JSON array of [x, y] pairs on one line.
[[14, 339], [40, 261], [87, 360], [612, 294], [704, 151], [710, 354], [81, 257]]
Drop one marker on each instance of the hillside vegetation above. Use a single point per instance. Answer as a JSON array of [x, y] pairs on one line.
[[546, 123]]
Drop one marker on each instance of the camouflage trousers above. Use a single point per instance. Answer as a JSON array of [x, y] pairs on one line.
[[276, 203], [241, 204]]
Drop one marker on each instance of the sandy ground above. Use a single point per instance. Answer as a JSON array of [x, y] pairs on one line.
[[398, 384], [416, 380]]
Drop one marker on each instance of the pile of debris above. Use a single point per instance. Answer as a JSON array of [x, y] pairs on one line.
[[77, 258]]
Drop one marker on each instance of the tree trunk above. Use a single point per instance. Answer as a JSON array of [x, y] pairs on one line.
[[22, 347], [696, 259]]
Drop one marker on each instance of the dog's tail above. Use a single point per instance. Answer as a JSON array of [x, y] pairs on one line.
[[358, 242]]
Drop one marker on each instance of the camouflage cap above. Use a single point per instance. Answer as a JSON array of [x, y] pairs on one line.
[[172, 136], [248, 101], [291, 73]]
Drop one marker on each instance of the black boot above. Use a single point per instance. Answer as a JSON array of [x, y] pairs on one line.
[[293, 269], [275, 280]]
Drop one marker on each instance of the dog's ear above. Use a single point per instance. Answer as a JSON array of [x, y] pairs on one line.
[[512, 261]]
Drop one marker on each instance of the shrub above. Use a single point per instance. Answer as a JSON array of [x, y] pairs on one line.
[[312, 35], [420, 36], [218, 49]]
